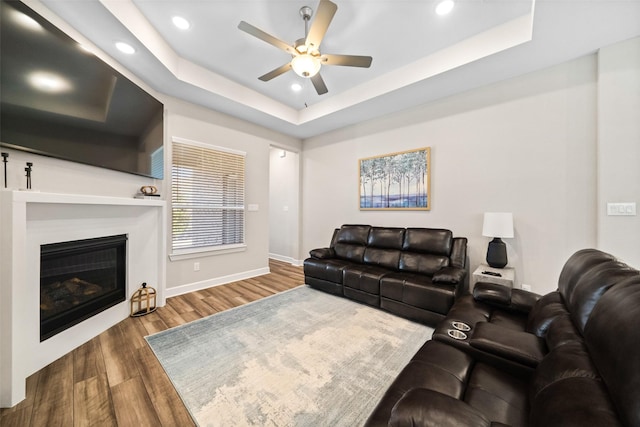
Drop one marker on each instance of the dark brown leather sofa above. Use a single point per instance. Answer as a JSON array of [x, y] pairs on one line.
[[416, 273], [569, 358]]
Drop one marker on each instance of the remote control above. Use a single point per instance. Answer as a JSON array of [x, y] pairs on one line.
[[491, 273]]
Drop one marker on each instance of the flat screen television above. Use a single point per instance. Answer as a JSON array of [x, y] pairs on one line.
[[59, 100]]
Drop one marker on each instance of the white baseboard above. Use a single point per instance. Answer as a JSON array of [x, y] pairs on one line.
[[292, 261], [216, 281]]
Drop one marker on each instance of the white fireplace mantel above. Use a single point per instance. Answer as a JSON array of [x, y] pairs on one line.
[[30, 219]]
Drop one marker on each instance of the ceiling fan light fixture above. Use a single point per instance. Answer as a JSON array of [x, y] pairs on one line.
[[306, 65]]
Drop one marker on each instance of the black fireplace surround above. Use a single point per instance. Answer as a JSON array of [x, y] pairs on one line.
[[79, 279]]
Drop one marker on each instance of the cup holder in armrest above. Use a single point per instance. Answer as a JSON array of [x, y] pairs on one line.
[[456, 334], [461, 326]]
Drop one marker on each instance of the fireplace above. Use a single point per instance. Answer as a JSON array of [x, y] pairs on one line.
[[79, 279]]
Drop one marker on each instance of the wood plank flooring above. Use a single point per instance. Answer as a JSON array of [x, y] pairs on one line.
[[115, 379]]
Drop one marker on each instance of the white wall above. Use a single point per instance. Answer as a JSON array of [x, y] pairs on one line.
[[619, 147], [527, 146], [199, 124], [284, 201]]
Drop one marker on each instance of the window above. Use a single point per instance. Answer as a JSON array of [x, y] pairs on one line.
[[207, 197]]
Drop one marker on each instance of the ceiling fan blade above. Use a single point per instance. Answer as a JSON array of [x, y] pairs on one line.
[[318, 83], [275, 73], [324, 15], [257, 32], [346, 60]]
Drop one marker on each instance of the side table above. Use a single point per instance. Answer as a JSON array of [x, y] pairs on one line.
[[506, 278]]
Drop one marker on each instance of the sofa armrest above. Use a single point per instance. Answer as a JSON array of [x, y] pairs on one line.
[[492, 293], [428, 408], [449, 275], [521, 347], [504, 297], [322, 253]]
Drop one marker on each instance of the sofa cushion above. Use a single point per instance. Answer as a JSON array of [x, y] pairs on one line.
[[508, 320], [498, 395], [592, 286], [325, 269], [386, 237], [567, 391], [612, 336], [428, 240], [386, 258], [562, 331], [350, 242], [573, 402], [350, 252], [364, 277], [353, 234], [544, 312], [422, 263], [418, 291], [576, 266], [435, 366], [571, 360], [427, 408]]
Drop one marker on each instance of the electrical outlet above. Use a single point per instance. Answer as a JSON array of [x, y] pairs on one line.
[[525, 287], [196, 266]]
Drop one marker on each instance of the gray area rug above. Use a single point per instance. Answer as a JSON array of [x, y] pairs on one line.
[[298, 358]]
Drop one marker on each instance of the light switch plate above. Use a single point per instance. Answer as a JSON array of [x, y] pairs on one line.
[[620, 209]]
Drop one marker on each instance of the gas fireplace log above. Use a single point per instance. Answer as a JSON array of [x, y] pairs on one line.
[[60, 296]]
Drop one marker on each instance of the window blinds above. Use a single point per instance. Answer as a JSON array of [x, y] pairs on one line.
[[207, 197]]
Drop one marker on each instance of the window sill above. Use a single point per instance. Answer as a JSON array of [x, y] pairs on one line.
[[208, 251]]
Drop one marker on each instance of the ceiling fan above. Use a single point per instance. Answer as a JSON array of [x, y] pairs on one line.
[[306, 57]]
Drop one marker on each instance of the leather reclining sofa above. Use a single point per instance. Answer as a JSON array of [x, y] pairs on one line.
[[415, 273], [568, 358]]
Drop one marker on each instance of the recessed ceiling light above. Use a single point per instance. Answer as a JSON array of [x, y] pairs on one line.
[[296, 87], [181, 23], [125, 48], [49, 82], [444, 7]]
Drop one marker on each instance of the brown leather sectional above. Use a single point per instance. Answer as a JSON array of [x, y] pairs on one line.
[[416, 273], [499, 357], [569, 358]]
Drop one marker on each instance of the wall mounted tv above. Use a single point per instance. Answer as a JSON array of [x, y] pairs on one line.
[[61, 101]]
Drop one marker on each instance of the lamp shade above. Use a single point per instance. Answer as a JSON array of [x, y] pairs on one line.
[[498, 224]]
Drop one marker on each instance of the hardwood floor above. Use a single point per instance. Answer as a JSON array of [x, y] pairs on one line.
[[115, 379]]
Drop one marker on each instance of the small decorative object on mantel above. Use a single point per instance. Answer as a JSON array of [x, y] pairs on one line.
[[4, 160], [147, 192], [28, 171], [143, 301]]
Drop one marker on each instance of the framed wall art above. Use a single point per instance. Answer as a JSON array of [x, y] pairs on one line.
[[398, 181]]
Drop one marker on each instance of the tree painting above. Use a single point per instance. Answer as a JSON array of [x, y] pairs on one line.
[[396, 181]]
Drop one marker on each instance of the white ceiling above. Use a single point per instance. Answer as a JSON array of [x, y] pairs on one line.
[[418, 57]]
